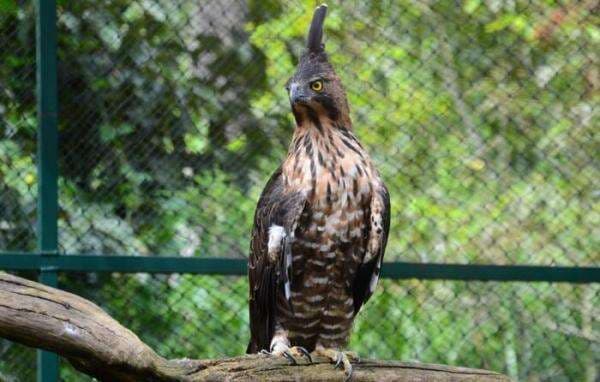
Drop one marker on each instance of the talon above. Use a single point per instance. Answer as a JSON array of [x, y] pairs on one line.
[[340, 358], [348, 373], [305, 353], [290, 357], [339, 361], [352, 356], [265, 352]]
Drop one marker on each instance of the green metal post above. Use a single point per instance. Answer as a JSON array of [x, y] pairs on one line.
[[47, 362], [47, 158]]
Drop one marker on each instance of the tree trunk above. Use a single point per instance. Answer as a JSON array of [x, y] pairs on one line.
[[47, 318]]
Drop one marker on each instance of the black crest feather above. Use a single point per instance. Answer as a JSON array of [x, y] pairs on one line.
[[315, 33]]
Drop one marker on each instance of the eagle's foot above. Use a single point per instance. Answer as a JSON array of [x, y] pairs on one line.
[[292, 354], [302, 352], [342, 359]]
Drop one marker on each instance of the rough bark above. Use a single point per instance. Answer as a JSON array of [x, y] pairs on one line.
[[39, 316]]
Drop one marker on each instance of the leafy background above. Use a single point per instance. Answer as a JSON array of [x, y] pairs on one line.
[[482, 117]]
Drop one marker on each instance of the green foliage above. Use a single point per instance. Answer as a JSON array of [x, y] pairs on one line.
[[481, 117]]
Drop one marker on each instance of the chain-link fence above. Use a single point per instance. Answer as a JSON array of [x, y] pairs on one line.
[[482, 117]]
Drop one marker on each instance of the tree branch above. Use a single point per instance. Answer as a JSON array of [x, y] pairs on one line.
[[43, 317]]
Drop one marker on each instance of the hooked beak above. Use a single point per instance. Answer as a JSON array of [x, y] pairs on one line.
[[297, 95]]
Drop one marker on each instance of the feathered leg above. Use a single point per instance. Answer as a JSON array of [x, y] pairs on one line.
[[280, 346]]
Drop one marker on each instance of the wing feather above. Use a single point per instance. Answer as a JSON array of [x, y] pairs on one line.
[[270, 279], [378, 223]]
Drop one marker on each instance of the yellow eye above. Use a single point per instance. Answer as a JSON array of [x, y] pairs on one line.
[[317, 85]]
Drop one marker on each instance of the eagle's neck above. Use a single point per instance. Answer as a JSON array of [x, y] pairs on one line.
[[326, 114], [325, 161]]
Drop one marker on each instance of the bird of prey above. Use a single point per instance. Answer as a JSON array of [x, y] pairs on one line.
[[321, 224]]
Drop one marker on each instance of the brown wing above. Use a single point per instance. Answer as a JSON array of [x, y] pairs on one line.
[[378, 230], [268, 278]]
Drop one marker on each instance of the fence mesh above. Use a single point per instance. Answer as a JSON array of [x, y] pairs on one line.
[[481, 116], [17, 127]]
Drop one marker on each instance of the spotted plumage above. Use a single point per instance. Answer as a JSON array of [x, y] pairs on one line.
[[321, 223]]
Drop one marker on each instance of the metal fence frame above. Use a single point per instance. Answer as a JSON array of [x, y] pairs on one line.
[[48, 261]]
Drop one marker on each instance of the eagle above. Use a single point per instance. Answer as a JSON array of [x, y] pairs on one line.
[[321, 224]]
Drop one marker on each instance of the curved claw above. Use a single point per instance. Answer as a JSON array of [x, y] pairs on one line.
[[289, 353], [342, 362], [290, 357], [348, 373], [340, 358], [305, 353], [339, 361]]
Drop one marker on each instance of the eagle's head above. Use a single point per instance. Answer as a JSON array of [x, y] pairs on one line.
[[315, 90]]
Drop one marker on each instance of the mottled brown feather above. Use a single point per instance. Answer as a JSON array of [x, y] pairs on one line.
[[336, 212]]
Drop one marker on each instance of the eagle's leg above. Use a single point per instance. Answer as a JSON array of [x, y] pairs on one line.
[[280, 346], [341, 358]]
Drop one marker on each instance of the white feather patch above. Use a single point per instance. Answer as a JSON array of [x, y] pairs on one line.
[[373, 283], [276, 236], [279, 344], [288, 269], [375, 277], [287, 290]]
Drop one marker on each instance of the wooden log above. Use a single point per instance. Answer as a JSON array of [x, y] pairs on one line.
[[42, 317]]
